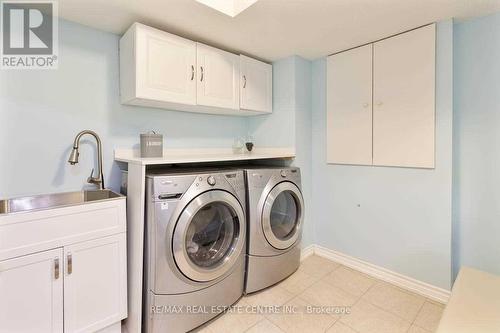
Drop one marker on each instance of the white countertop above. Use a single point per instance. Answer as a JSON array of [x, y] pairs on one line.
[[190, 155], [474, 305]]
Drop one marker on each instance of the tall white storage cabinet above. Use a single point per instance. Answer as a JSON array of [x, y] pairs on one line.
[[218, 78], [31, 289], [349, 120], [256, 85], [404, 98], [381, 102]]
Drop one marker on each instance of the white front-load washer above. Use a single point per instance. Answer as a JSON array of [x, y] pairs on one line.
[[195, 239], [275, 214]]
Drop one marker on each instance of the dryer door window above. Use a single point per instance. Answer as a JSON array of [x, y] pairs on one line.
[[282, 215], [209, 236]]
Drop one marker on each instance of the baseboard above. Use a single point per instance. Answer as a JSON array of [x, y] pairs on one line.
[[400, 280], [306, 252]]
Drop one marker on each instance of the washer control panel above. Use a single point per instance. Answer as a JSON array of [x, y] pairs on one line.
[[236, 179]]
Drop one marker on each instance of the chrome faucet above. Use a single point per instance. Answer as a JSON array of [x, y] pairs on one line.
[[73, 158]]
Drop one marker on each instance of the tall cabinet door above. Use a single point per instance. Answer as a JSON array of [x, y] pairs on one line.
[[95, 284], [404, 98], [256, 85], [31, 293], [166, 66], [218, 78], [349, 107]]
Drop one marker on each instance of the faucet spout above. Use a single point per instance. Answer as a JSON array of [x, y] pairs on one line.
[[73, 158]]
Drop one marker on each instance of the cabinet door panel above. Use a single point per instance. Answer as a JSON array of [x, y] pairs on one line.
[[256, 84], [31, 294], [404, 99], [166, 66], [218, 78], [95, 284], [349, 107]]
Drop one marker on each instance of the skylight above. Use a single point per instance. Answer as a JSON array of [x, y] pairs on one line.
[[228, 7]]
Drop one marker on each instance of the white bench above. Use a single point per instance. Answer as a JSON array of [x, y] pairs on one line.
[[474, 305]]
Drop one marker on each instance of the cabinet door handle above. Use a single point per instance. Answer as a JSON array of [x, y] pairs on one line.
[[365, 105], [244, 81], [379, 103], [56, 268], [192, 72], [70, 263], [201, 79]]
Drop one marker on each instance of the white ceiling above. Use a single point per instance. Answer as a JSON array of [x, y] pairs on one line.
[[273, 29]]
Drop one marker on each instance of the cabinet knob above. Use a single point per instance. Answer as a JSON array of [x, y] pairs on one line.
[[379, 103], [365, 105]]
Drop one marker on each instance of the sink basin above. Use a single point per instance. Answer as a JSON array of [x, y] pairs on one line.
[[46, 201]]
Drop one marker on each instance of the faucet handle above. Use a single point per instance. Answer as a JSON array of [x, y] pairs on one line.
[[93, 180]]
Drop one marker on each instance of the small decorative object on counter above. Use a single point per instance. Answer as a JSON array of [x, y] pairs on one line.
[[249, 144], [151, 145], [238, 145]]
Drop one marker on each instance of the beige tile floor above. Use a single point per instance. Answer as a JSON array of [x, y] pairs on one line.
[[372, 305]]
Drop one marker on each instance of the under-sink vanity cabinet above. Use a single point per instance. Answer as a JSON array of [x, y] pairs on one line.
[[162, 70], [64, 268]]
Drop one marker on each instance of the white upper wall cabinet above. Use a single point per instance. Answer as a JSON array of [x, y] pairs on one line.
[[349, 116], [404, 99], [381, 102], [256, 85], [161, 70], [218, 78]]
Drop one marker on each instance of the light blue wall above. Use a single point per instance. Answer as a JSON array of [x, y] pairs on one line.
[[303, 141], [476, 165], [41, 112], [403, 220], [277, 129], [290, 124], [397, 218]]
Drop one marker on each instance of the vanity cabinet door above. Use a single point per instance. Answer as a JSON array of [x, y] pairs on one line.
[[256, 85], [31, 293], [95, 284], [218, 78]]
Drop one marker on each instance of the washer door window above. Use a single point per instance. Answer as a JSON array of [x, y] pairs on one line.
[[209, 236], [282, 215]]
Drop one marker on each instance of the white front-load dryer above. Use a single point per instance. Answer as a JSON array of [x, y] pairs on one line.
[[275, 209], [195, 239]]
